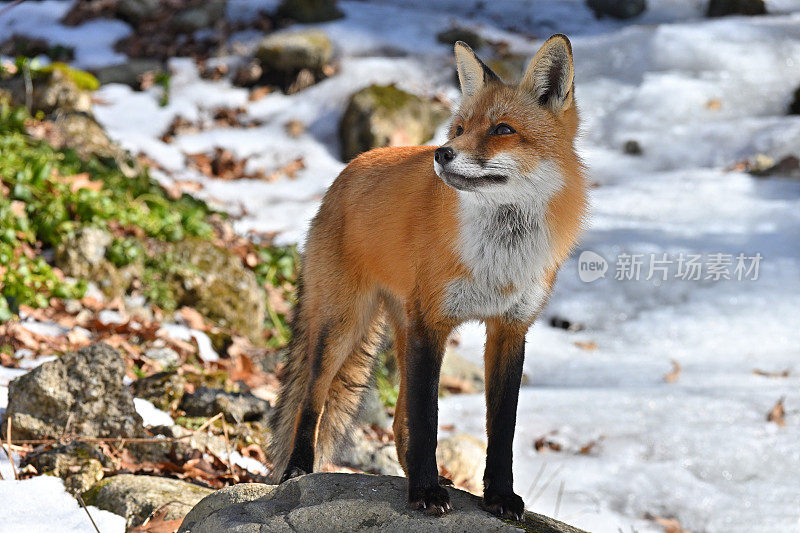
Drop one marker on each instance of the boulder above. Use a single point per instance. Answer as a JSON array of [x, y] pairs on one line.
[[383, 115], [237, 407], [346, 502], [214, 281], [371, 456], [620, 9], [136, 497], [458, 371], [463, 458], [80, 393], [136, 11], [309, 10], [721, 8], [83, 134]]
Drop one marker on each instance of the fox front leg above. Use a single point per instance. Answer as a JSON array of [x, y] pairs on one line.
[[505, 352]]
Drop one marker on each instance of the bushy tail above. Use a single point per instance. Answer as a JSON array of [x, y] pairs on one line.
[[344, 397]]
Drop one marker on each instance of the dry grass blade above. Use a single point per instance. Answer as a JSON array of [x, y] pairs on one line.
[[83, 504], [547, 483], [764, 373], [537, 478], [229, 461], [558, 499]]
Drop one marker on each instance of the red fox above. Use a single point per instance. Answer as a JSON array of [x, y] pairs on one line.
[[425, 238]]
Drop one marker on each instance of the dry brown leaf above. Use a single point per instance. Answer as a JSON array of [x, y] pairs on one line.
[[673, 375], [456, 385], [715, 104], [671, 525], [80, 181], [193, 318], [777, 413], [586, 345], [295, 128]]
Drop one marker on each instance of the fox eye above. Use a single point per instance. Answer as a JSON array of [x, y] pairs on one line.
[[502, 129], [459, 130]]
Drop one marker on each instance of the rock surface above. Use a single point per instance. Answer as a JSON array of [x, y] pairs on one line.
[[284, 54], [80, 393], [135, 497], [383, 115], [79, 464], [162, 389], [345, 502], [463, 457]]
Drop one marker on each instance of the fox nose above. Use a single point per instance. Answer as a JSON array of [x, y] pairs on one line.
[[444, 155]]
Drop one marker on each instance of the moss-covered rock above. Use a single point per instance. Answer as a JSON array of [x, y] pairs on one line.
[[135, 497], [214, 282], [458, 33], [57, 87], [309, 10], [383, 115], [284, 55], [163, 389], [79, 464], [83, 134]]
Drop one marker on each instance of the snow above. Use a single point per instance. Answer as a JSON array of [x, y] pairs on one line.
[[698, 95], [152, 415], [41, 505]]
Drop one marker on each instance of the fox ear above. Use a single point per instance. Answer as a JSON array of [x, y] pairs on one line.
[[472, 73], [550, 75]]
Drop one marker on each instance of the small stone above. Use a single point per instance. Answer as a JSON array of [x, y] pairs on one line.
[[621, 9], [135, 497], [204, 15], [632, 148], [371, 456], [283, 55], [135, 11], [721, 8], [237, 407], [310, 10], [794, 106], [463, 458], [458, 33], [383, 115], [129, 73], [166, 357]]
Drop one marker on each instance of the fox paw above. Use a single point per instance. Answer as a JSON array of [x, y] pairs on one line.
[[445, 481], [433, 501], [292, 471], [508, 506]]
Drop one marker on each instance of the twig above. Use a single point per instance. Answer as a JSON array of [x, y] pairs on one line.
[[558, 499], [208, 422], [159, 508], [234, 476], [13, 4], [9, 452], [83, 504]]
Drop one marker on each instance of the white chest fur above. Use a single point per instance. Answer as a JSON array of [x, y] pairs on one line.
[[507, 249]]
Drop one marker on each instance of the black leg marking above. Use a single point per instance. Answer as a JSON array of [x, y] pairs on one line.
[[502, 393], [423, 362]]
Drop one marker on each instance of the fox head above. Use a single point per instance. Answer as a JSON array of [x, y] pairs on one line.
[[509, 142]]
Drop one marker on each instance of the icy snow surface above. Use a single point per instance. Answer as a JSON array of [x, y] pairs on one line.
[[698, 95]]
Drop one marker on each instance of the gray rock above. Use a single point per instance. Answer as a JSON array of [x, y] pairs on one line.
[[621, 9], [458, 33], [165, 356], [129, 73], [135, 11], [371, 456], [163, 389], [463, 457], [80, 393], [241, 493], [83, 134], [632, 147], [346, 502], [287, 53], [373, 412], [203, 15], [721, 8], [135, 497], [310, 10], [79, 464], [383, 115], [237, 407]]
